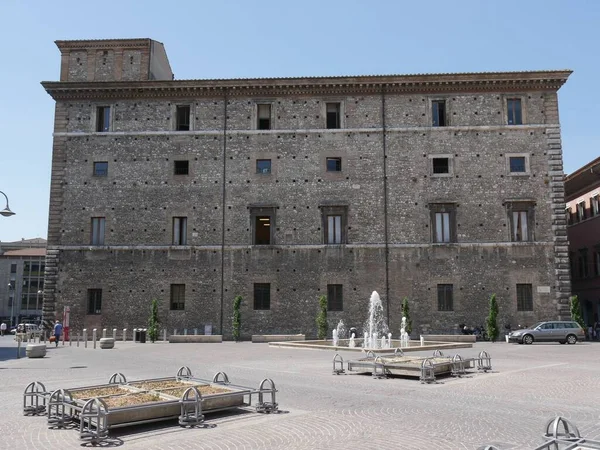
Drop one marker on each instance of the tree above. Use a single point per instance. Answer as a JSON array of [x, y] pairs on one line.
[[322, 326], [491, 321], [406, 313], [237, 318], [153, 322], [576, 312]]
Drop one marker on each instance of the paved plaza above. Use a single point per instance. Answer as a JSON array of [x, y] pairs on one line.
[[508, 408]]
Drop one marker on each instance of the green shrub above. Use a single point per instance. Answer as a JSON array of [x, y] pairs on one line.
[[153, 322], [576, 312], [491, 321], [322, 326], [237, 318]]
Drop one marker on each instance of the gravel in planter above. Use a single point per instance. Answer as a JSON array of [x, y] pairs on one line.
[[204, 389], [98, 392], [131, 400]]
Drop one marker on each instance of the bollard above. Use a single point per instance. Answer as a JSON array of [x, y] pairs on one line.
[[422, 340], [103, 333], [70, 341], [114, 334], [63, 338], [94, 337], [195, 331], [77, 339], [18, 347], [165, 335], [85, 337], [185, 331], [175, 331], [133, 337], [124, 334]]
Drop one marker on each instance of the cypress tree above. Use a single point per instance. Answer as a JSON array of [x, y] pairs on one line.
[[322, 326], [237, 318], [153, 322], [491, 322], [576, 312]]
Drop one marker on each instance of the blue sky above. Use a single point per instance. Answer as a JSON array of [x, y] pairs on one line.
[[233, 39]]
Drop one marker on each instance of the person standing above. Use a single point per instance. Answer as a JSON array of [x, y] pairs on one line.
[[58, 328], [2, 328]]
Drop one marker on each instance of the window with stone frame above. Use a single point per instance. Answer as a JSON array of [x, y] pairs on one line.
[[438, 113], [100, 168], [179, 230], [103, 118], [177, 300], [581, 211], [594, 205], [97, 230], [335, 297], [263, 116], [334, 221], [524, 297], [181, 167], [263, 225], [521, 217], [514, 113], [263, 166], [443, 223], [94, 301], [597, 261], [262, 296], [333, 164], [183, 113], [445, 297], [333, 113]]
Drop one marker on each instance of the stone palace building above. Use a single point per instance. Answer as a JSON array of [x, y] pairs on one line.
[[443, 188]]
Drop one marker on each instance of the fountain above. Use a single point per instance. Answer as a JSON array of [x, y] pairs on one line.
[[376, 324]]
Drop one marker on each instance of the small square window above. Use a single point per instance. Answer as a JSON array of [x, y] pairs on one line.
[[438, 113], [183, 118], [103, 119], [441, 165], [263, 166], [100, 169], [445, 297], [513, 111], [262, 296], [517, 164], [182, 167], [94, 301], [334, 164], [335, 298], [333, 111], [524, 297], [177, 297], [263, 116]]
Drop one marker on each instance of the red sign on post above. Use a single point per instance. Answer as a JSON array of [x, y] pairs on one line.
[[66, 314]]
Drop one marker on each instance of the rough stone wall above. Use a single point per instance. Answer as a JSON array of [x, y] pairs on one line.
[[141, 195]]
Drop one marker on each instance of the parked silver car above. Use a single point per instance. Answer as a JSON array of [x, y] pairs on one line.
[[551, 331]]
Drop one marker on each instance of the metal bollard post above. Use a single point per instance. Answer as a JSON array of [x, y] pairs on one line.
[[165, 335], [94, 331], [124, 334], [70, 340], [114, 334], [195, 331], [185, 331], [175, 331], [18, 347], [133, 337], [77, 339], [85, 337], [103, 333]]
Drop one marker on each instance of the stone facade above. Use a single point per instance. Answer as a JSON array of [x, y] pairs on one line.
[[386, 192]]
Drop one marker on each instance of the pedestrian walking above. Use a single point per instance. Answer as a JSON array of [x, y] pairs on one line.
[[2, 328], [58, 328]]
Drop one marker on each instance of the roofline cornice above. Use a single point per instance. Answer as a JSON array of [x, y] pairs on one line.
[[102, 43], [428, 83]]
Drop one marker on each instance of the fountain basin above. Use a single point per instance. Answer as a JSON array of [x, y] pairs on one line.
[[405, 365], [413, 346]]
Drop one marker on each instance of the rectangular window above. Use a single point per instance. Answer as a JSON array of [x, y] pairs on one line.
[[263, 166], [334, 164], [100, 168], [519, 226], [595, 205], [94, 301], [597, 263], [13, 268], [443, 223], [335, 299], [524, 297], [264, 116], [334, 230], [438, 113], [581, 211], [583, 263], [177, 297], [98, 224], [183, 118], [179, 230], [441, 165], [262, 296], [333, 115], [181, 167], [103, 118], [517, 164], [262, 230], [445, 297], [442, 227], [521, 219], [24, 298], [513, 111]]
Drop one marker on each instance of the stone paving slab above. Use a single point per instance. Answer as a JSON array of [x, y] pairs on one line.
[[507, 408]]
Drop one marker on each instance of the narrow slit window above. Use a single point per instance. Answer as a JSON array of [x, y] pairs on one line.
[[179, 230], [524, 297], [445, 297], [262, 230], [262, 296], [335, 299], [264, 116], [94, 301], [442, 227], [438, 113], [183, 118], [514, 114], [98, 225], [177, 297], [103, 119], [334, 229]]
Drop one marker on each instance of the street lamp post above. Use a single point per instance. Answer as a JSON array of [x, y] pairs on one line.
[[6, 212], [37, 302], [12, 304]]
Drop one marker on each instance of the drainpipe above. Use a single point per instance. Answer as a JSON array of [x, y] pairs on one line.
[[223, 207], [385, 207]]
